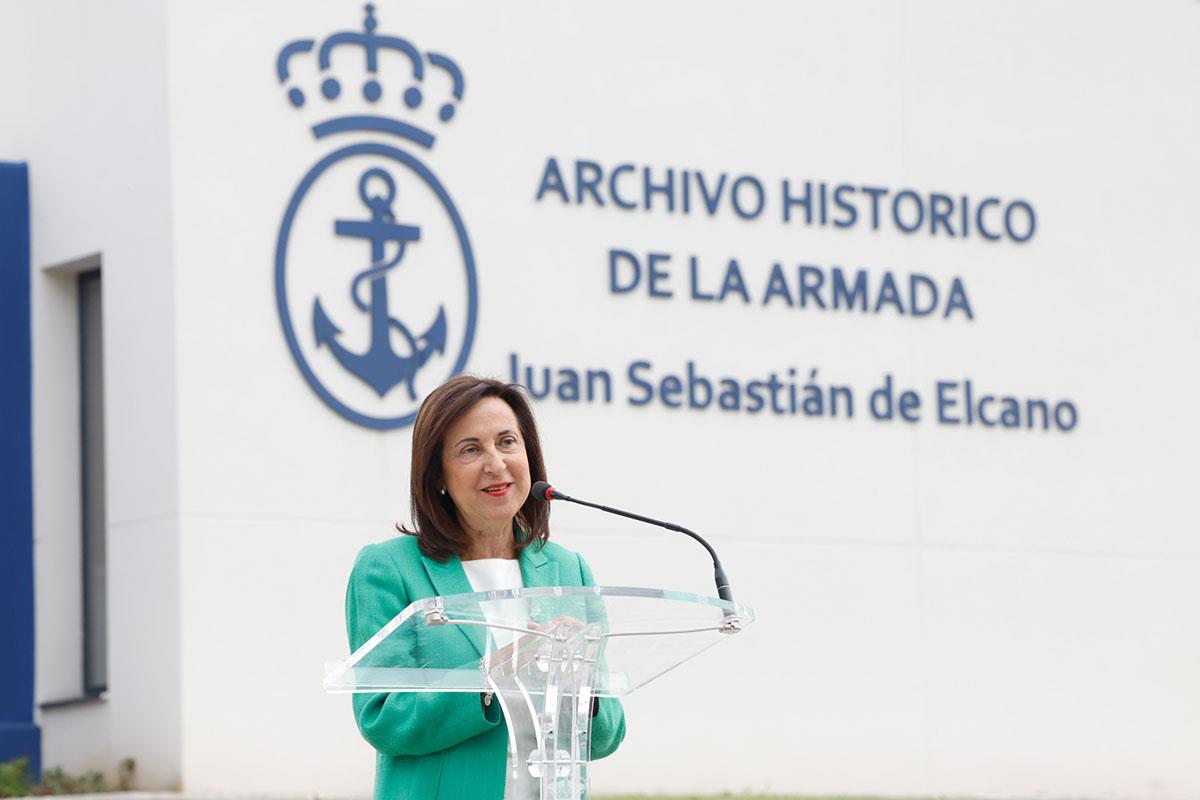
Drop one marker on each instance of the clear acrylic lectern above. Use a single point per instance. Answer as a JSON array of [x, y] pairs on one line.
[[545, 653]]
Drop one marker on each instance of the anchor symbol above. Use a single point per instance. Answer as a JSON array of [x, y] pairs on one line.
[[380, 366]]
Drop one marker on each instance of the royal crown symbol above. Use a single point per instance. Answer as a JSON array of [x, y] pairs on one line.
[[401, 63]]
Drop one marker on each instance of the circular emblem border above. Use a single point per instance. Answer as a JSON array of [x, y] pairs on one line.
[[372, 148]]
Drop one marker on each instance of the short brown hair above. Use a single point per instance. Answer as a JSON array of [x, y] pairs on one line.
[[439, 531]]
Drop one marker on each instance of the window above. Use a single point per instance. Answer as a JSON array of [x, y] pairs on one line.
[[91, 404]]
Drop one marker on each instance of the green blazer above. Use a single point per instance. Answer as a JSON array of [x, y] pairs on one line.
[[445, 745]]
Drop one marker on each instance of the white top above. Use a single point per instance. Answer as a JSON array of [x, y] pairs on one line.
[[494, 574]]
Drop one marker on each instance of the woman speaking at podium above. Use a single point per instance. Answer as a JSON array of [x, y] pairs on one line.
[[475, 453]]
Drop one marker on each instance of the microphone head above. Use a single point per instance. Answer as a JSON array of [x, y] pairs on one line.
[[542, 491]]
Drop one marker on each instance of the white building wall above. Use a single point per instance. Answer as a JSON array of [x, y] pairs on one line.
[[85, 102], [942, 609]]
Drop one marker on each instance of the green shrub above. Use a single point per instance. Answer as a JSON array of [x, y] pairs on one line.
[[14, 780], [56, 781]]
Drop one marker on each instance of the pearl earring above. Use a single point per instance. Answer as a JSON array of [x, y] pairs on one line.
[[442, 491]]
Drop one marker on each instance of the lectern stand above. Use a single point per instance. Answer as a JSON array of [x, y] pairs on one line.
[[544, 653]]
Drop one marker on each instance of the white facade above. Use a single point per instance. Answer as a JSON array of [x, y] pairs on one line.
[[943, 608], [86, 93]]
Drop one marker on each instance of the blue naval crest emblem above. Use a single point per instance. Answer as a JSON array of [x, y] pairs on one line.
[[374, 274]]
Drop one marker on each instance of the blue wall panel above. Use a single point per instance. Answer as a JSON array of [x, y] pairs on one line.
[[19, 736]]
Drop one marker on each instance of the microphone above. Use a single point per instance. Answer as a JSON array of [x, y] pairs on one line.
[[544, 491]]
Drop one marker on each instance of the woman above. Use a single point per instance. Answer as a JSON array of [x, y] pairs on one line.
[[475, 454]]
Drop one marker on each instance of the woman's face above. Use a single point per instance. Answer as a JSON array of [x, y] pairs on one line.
[[484, 466]]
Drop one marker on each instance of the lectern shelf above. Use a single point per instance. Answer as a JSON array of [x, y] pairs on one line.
[[575, 644]]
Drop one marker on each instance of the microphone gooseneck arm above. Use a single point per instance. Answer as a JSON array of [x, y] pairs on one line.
[[543, 490]]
